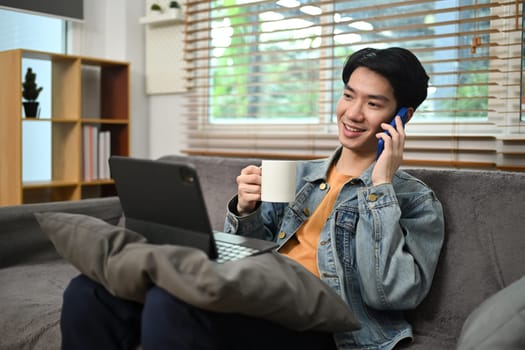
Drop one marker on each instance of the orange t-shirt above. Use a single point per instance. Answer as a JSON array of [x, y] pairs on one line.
[[303, 246]]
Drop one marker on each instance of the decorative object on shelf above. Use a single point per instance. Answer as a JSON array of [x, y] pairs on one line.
[[163, 13], [174, 9], [30, 93], [155, 9]]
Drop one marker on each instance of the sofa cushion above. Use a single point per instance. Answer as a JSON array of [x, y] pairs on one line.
[[269, 286], [498, 323], [30, 304]]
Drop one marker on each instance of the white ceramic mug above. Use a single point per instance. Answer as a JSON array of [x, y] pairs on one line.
[[278, 181]]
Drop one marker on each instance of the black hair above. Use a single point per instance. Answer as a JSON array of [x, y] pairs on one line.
[[399, 66]]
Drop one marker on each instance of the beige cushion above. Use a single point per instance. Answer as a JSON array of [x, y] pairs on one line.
[[498, 323], [269, 286]]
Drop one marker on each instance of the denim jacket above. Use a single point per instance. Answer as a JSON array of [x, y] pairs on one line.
[[378, 250]]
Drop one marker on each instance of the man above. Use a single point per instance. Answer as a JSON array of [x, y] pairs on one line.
[[370, 231]]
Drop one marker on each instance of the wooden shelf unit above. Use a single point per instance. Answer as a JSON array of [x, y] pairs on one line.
[[66, 122]]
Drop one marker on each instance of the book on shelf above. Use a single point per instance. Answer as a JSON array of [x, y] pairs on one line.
[[96, 149], [104, 151], [88, 144]]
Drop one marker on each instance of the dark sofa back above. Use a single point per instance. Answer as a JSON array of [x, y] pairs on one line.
[[22, 241], [483, 252]]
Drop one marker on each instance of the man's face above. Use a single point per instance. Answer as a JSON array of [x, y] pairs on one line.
[[368, 100]]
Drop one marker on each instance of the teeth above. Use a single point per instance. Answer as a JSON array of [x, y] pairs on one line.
[[352, 129]]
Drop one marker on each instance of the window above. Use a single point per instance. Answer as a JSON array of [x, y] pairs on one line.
[[264, 76], [23, 30], [34, 32]]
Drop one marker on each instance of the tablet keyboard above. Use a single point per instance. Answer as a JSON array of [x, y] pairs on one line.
[[230, 251]]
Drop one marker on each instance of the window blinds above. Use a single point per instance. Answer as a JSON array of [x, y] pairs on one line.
[[263, 77]]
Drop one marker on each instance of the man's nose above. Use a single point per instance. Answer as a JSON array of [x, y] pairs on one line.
[[354, 111]]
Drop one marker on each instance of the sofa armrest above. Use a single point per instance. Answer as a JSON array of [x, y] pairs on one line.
[[21, 240]]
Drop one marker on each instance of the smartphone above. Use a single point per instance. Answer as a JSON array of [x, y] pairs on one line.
[[403, 113]]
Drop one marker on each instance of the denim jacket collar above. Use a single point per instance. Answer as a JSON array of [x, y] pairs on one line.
[[320, 171]]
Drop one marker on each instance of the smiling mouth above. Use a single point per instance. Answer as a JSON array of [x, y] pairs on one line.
[[352, 129]]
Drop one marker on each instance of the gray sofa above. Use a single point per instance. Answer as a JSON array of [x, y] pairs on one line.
[[483, 252]]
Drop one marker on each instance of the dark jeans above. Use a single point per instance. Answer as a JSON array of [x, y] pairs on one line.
[[94, 319]]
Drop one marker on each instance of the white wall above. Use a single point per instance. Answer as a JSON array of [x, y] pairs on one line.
[[111, 30], [167, 124]]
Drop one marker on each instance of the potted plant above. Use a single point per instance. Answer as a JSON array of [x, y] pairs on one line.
[[155, 9], [174, 5], [174, 9], [30, 93]]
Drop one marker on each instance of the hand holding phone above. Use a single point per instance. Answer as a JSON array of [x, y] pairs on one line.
[[403, 113]]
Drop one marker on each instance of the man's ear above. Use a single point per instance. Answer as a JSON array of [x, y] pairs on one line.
[[410, 113]]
